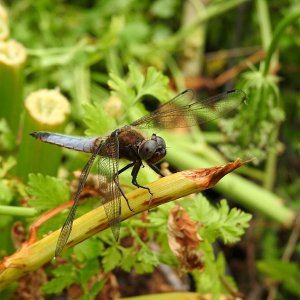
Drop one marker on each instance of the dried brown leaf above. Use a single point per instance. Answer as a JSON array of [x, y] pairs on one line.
[[184, 239]]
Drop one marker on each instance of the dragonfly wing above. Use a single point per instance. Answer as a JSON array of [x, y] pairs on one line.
[[108, 167], [67, 227], [79, 143], [181, 111]]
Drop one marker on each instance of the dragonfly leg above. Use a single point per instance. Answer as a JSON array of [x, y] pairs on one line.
[[117, 184], [156, 169], [134, 173]]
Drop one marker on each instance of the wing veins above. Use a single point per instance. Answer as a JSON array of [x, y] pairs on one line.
[[67, 227]]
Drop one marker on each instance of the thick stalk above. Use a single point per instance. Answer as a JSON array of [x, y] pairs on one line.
[[4, 29], [241, 190], [12, 60], [34, 254], [45, 110]]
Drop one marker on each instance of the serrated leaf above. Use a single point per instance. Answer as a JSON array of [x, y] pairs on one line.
[[201, 210], [47, 192], [111, 259], [136, 76], [232, 223], [96, 288], [97, 120], [56, 285], [6, 194], [91, 268], [155, 85], [159, 217], [122, 89], [218, 222], [128, 260], [146, 261], [88, 249]]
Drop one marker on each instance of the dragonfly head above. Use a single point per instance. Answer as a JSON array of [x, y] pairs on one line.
[[152, 150]]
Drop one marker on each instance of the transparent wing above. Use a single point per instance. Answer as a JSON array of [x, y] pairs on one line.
[[67, 227], [108, 167], [181, 111]]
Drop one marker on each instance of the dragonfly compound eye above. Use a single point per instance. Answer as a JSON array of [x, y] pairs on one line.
[[147, 149]]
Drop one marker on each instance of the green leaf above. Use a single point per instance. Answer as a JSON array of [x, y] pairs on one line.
[[88, 249], [47, 192], [96, 288], [122, 89], [146, 261], [155, 85], [218, 222], [6, 193], [56, 285], [97, 120], [129, 259], [90, 269], [232, 223], [111, 259], [288, 273], [164, 8], [6, 165]]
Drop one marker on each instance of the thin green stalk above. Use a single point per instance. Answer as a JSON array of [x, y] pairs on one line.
[[271, 163], [276, 37], [263, 16], [17, 211], [192, 58], [272, 155], [211, 12], [176, 74]]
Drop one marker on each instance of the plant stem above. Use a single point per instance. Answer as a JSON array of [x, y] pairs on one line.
[[264, 22], [18, 211], [234, 186], [33, 255], [276, 37], [45, 110], [211, 11], [12, 60], [4, 29]]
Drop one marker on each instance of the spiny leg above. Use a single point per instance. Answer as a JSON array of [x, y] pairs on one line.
[[134, 173], [120, 189], [156, 169]]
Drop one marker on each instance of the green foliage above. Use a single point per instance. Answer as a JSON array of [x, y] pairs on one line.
[[47, 192], [227, 224], [97, 120], [287, 273], [129, 46], [65, 275]]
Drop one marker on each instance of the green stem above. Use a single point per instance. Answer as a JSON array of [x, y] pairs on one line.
[[264, 22], [234, 186], [271, 163], [45, 110], [18, 211], [276, 37], [211, 12], [12, 60]]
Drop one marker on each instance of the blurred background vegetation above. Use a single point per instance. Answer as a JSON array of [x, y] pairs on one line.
[[91, 66]]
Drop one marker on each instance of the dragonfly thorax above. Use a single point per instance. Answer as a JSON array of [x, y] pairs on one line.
[[152, 150]]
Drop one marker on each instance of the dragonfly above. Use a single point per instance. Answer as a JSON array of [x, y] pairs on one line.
[[131, 143]]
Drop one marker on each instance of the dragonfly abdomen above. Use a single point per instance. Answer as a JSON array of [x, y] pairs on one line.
[[84, 144]]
